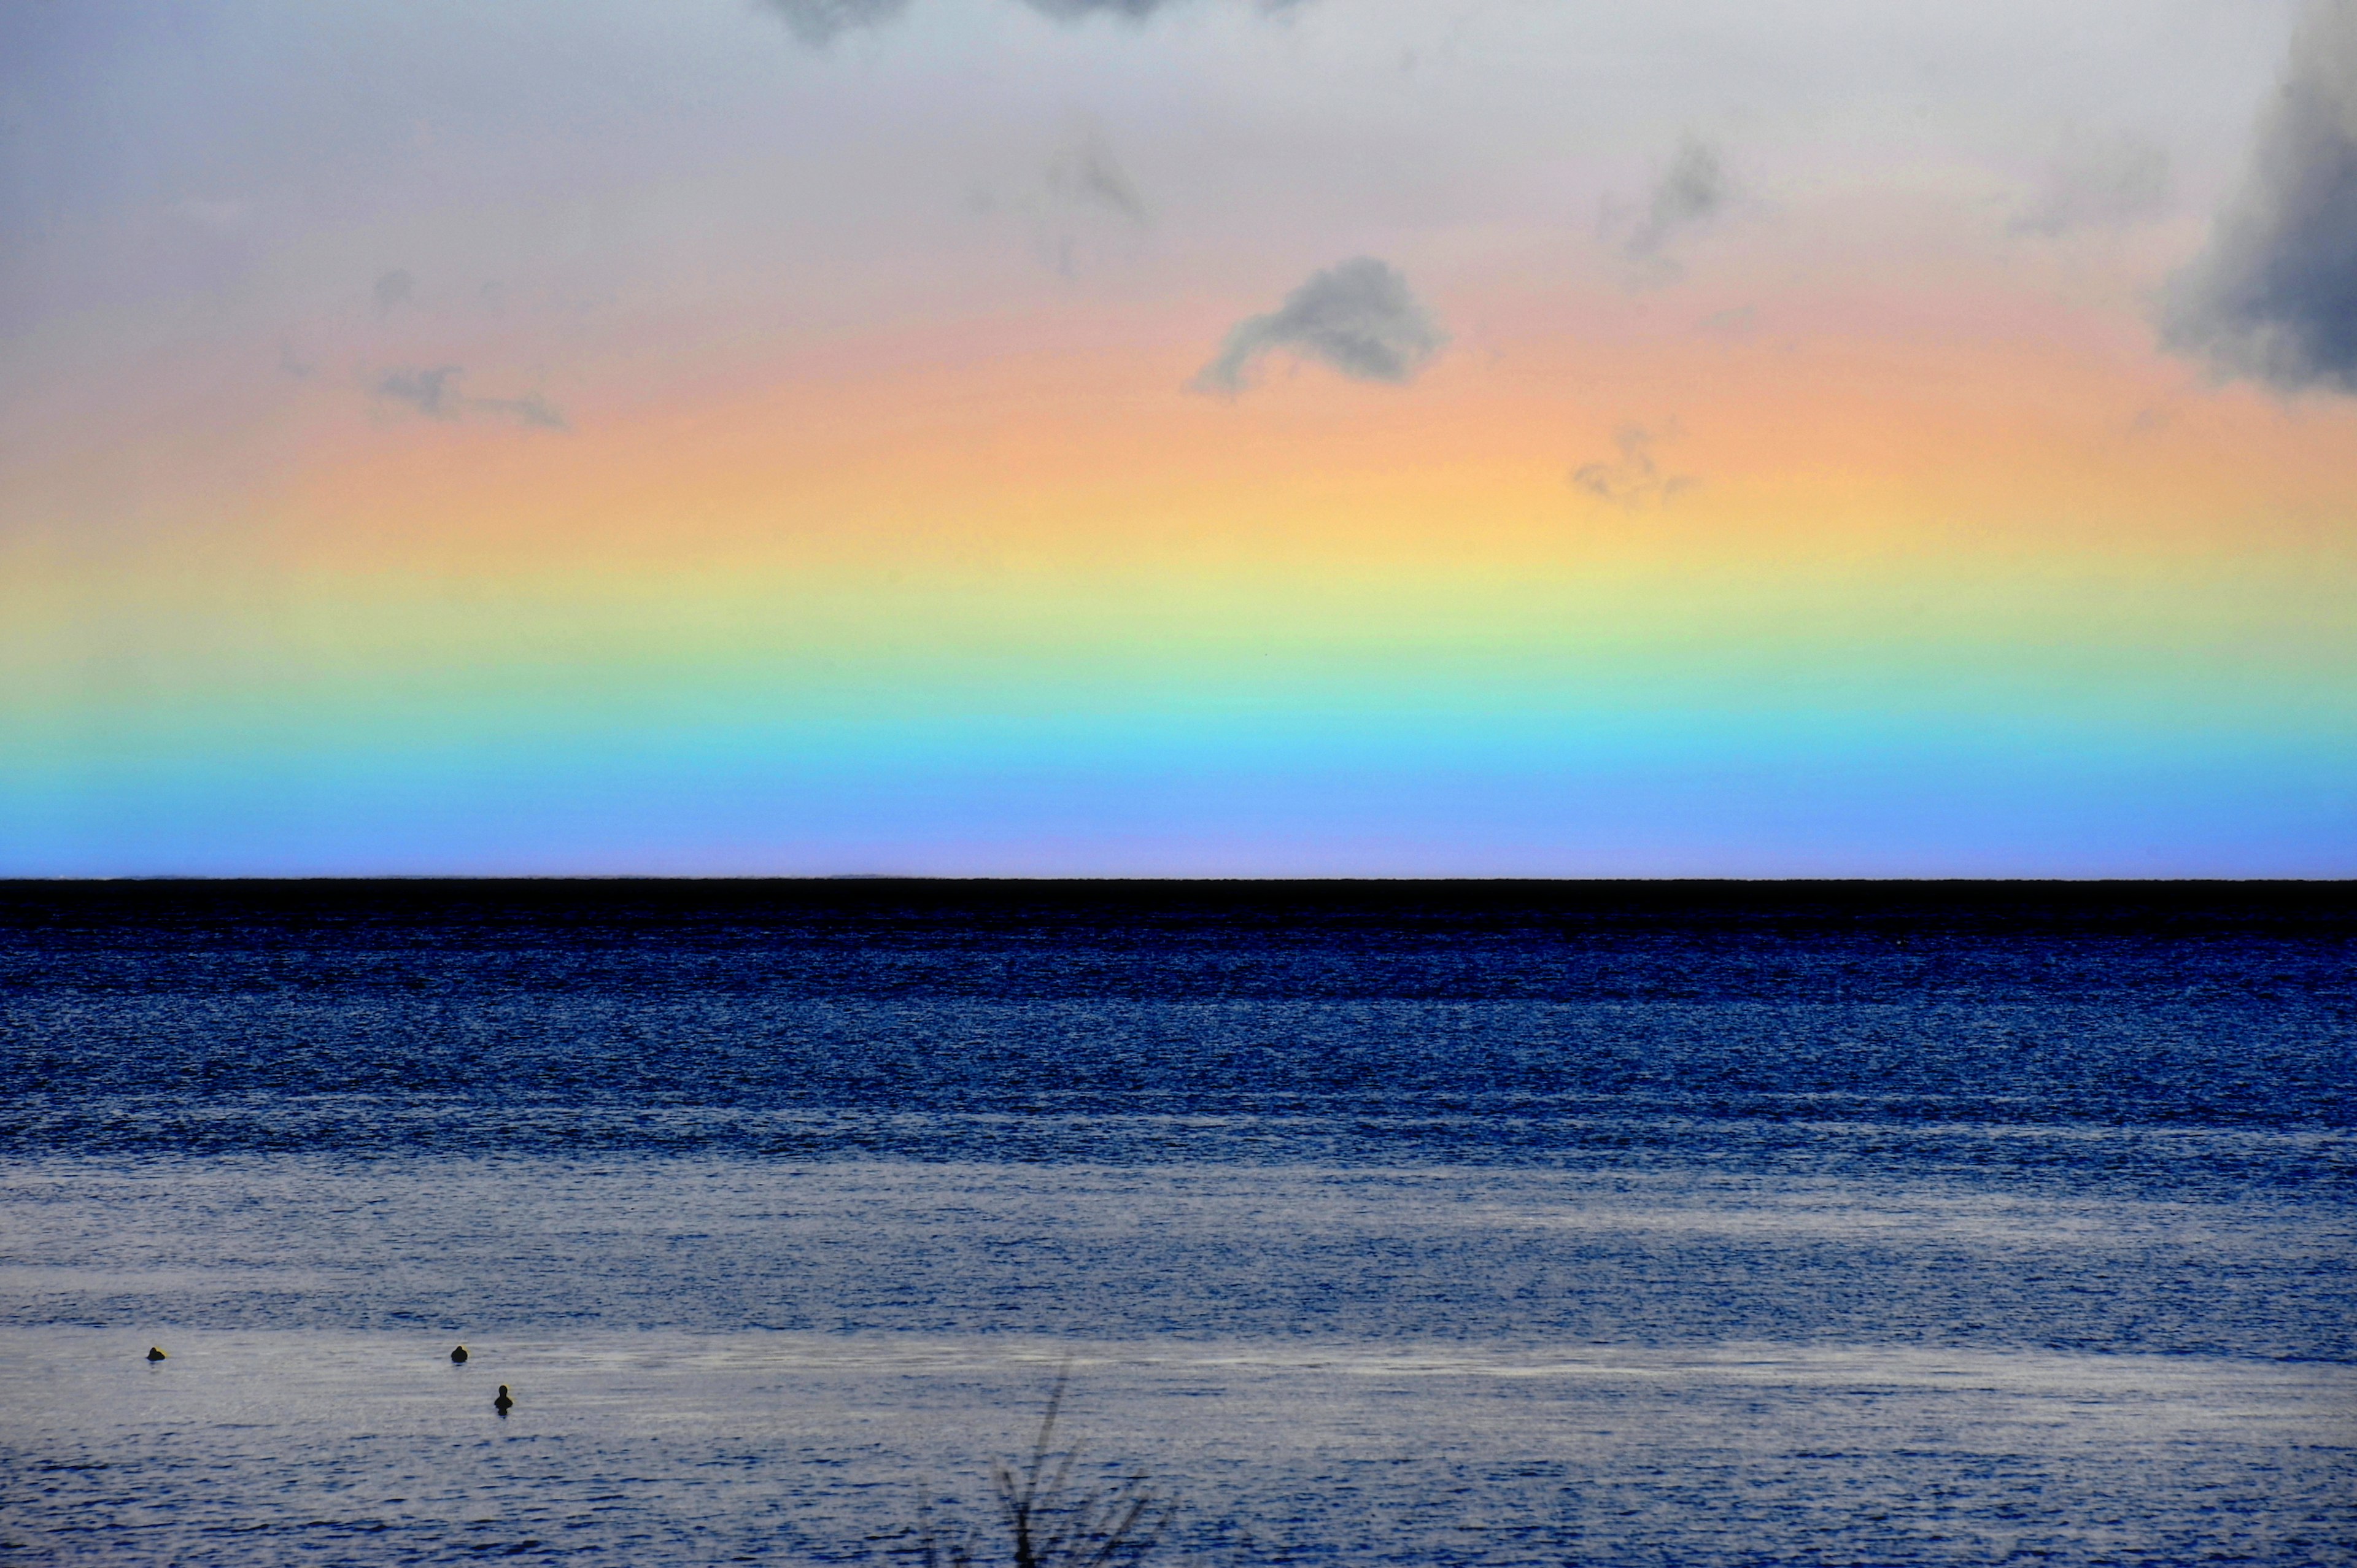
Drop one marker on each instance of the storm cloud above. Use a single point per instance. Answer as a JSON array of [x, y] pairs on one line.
[[433, 391], [1358, 317], [2275, 296]]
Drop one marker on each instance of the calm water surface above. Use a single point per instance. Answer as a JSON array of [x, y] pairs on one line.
[[1427, 1223]]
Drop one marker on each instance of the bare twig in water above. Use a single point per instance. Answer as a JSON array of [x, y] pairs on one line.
[[1049, 1525]]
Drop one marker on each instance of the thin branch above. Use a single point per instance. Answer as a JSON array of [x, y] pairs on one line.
[[1048, 1524]]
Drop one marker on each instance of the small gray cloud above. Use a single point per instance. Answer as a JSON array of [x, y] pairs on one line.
[[1692, 191], [2273, 297], [1082, 173], [1738, 322], [1358, 317], [217, 215], [1080, 10], [1083, 200], [530, 409], [394, 290], [1634, 480], [433, 391], [2106, 185], [1134, 10], [818, 22]]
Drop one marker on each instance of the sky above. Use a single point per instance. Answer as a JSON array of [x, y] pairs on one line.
[[1178, 437]]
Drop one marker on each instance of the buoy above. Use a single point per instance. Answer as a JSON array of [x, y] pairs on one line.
[[503, 1404], [459, 1355], [154, 1353]]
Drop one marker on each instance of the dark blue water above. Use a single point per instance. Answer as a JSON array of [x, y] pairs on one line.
[[1459, 1022], [1407, 1222]]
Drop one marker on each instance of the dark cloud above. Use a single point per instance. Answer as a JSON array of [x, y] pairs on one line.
[[2275, 295], [395, 289], [1692, 191], [1635, 478], [2104, 185], [434, 392], [1358, 317]]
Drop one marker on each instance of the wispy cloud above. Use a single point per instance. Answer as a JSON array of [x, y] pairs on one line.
[[820, 22], [1084, 173], [1693, 192], [1635, 478], [2275, 295], [394, 290], [433, 391], [1359, 318], [1076, 202], [530, 409], [2103, 185], [1076, 10], [1737, 322]]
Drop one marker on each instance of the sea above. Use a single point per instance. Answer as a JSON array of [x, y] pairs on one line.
[[1353, 1222]]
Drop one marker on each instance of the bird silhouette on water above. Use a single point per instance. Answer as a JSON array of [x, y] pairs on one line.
[[458, 1355], [503, 1403], [155, 1353]]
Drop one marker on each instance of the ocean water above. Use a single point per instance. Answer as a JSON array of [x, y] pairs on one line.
[[1425, 1223]]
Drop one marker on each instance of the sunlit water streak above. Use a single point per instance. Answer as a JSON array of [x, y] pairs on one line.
[[286, 1445], [1436, 1364]]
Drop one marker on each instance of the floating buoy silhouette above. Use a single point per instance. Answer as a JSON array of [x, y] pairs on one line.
[[458, 1355], [503, 1404], [155, 1353]]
